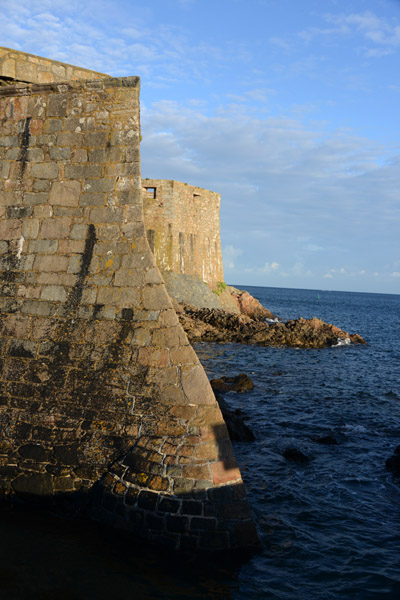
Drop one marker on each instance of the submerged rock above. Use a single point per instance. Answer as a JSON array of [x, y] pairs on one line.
[[393, 463], [331, 439], [295, 455], [239, 383], [237, 428]]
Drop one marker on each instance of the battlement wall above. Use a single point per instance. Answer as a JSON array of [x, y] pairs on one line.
[[102, 397], [183, 228]]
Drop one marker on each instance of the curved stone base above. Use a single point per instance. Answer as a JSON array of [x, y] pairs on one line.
[[205, 520]]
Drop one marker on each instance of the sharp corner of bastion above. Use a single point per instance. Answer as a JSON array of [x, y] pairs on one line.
[[103, 400]]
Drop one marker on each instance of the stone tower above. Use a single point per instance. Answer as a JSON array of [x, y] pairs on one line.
[[182, 224]]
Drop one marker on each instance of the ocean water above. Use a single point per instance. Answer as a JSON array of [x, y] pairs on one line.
[[330, 527]]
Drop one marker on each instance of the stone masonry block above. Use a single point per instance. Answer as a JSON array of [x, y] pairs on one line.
[[82, 171], [65, 193], [96, 139], [167, 337], [55, 229], [155, 297], [35, 198], [60, 153], [196, 385], [30, 228], [57, 105], [79, 232], [50, 263], [54, 293], [10, 230], [79, 155], [52, 125], [106, 215], [89, 199], [109, 232], [43, 246], [44, 170], [99, 185], [35, 155], [222, 472]]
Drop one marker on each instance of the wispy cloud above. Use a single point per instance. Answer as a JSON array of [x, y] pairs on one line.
[[382, 36], [91, 35], [230, 254]]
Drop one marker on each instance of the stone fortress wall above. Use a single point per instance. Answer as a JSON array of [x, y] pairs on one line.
[[102, 399], [183, 228]]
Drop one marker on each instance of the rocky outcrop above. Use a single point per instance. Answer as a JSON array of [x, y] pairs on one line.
[[250, 306], [239, 383], [218, 326]]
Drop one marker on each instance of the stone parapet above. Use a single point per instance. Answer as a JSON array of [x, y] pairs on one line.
[[102, 396], [22, 67]]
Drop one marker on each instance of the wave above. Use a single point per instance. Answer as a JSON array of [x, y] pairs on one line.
[[342, 342]]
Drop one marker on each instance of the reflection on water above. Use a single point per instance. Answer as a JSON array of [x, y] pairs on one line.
[[43, 557]]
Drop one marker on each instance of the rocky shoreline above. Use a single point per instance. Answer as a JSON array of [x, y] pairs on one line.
[[229, 315], [215, 325]]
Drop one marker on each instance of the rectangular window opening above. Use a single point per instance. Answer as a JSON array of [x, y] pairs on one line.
[[150, 192]]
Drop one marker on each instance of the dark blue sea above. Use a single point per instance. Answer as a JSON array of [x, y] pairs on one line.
[[330, 527]]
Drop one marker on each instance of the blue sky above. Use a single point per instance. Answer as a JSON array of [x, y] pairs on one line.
[[288, 108]]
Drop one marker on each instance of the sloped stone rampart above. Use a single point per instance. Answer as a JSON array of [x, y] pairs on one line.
[[102, 397]]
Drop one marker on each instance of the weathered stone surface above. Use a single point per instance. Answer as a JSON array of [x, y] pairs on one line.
[[102, 392]]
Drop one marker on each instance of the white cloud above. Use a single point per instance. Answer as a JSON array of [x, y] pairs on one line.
[[328, 276], [268, 267], [230, 254], [396, 274]]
